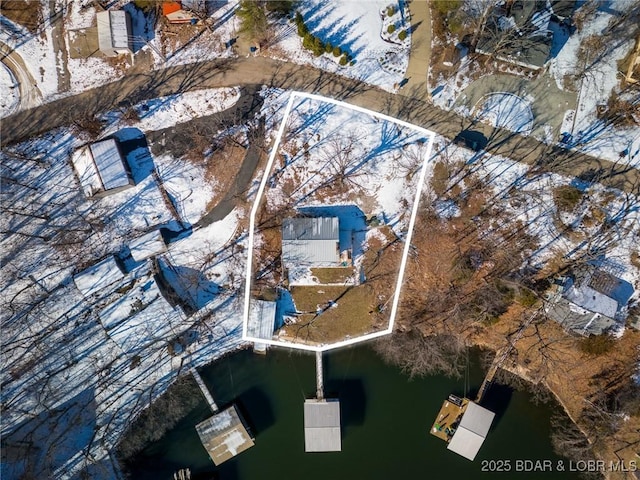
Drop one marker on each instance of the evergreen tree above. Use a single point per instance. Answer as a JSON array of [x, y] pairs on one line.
[[253, 20]]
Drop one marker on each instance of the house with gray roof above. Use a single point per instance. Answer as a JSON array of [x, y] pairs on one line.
[[310, 241], [590, 302], [519, 31]]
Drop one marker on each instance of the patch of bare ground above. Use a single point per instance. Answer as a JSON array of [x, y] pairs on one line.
[[332, 313], [221, 169], [27, 13]]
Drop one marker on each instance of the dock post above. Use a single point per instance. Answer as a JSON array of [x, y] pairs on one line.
[[319, 382], [204, 389]]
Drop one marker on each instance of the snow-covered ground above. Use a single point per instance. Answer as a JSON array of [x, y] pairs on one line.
[[505, 110], [164, 112], [10, 93], [596, 85], [81, 362], [357, 27]]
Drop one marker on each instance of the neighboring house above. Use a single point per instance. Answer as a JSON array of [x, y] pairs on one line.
[[101, 168], [591, 303], [114, 33], [310, 241], [174, 13], [519, 31]]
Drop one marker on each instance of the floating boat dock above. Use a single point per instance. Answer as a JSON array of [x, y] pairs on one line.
[[322, 429], [225, 434]]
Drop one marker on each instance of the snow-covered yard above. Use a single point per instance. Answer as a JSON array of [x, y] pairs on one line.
[[591, 135], [359, 28]]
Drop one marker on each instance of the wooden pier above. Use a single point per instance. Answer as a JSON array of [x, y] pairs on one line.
[[319, 380], [204, 389], [448, 417]]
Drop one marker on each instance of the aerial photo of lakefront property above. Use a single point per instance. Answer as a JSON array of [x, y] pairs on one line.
[[346, 239]]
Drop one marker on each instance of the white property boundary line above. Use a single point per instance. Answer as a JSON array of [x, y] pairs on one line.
[[414, 211]]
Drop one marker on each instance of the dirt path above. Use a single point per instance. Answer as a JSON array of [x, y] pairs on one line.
[[274, 73]]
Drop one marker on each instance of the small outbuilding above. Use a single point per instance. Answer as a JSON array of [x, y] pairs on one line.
[[114, 32], [224, 435], [311, 241], [101, 168], [261, 323], [322, 425], [174, 13], [98, 277], [472, 431], [148, 245]]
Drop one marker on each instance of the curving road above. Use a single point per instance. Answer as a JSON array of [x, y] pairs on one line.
[[30, 95], [254, 71]]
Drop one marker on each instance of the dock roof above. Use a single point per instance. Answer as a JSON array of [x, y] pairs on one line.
[[224, 435], [472, 431], [322, 426], [261, 323]]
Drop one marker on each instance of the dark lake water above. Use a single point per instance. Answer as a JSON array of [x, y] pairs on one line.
[[385, 423]]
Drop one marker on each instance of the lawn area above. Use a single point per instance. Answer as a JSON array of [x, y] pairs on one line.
[[332, 275], [353, 313]]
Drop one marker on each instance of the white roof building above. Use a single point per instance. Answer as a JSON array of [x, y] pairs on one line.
[[472, 431], [98, 277], [101, 168], [114, 32], [322, 426], [148, 245], [261, 323]]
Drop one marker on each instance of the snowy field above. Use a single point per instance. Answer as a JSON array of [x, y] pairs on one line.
[[164, 112], [358, 28], [505, 110]]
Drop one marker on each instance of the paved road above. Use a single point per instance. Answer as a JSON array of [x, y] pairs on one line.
[[30, 96], [253, 71]]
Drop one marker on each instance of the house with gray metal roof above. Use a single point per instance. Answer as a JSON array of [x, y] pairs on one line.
[[310, 241], [114, 32]]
